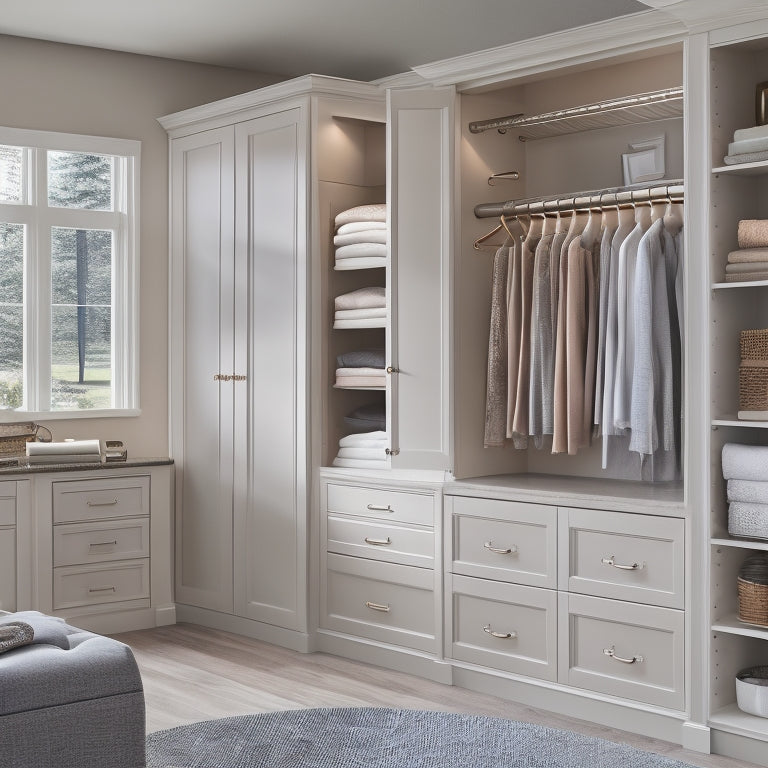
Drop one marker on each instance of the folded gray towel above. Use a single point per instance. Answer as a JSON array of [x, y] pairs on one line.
[[14, 634], [750, 491], [367, 418], [362, 358], [745, 462]]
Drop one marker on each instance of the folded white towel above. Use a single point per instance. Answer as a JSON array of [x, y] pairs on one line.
[[369, 454], [361, 322], [81, 447], [361, 226], [365, 440], [366, 236], [745, 462], [748, 254], [360, 463], [361, 251], [362, 263], [360, 314], [373, 372], [747, 157], [745, 134], [751, 491], [745, 519], [375, 212], [365, 298], [743, 146]]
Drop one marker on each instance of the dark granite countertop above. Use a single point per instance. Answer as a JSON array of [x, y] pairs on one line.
[[23, 468]]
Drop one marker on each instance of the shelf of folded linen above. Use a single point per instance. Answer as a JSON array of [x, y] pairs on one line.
[[750, 262], [371, 417], [360, 237], [361, 369], [749, 145], [363, 308], [745, 470], [363, 450]]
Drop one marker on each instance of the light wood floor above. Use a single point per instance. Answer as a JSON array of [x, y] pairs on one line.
[[191, 673]]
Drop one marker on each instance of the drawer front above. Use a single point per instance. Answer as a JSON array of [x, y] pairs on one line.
[[8, 569], [380, 601], [80, 543], [383, 504], [623, 649], [7, 510], [96, 584], [625, 556], [503, 540], [112, 497], [504, 626], [379, 541]]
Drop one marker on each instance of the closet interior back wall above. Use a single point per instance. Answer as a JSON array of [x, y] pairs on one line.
[[548, 167]]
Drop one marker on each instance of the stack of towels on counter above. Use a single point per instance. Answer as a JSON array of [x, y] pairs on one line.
[[749, 145], [750, 262], [366, 450], [745, 468], [361, 369], [361, 237], [363, 308]]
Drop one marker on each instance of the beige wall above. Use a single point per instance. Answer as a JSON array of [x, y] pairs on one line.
[[54, 87]]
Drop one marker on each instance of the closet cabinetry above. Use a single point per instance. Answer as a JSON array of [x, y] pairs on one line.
[[8, 546]]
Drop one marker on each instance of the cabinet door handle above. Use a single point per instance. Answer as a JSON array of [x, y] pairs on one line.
[[379, 508], [378, 542], [392, 369], [102, 503], [102, 589], [377, 606], [103, 544], [508, 551], [502, 635], [612, 654], [612, 562], [391, 451]]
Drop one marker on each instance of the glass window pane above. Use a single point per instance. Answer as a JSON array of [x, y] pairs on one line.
[[11, 263], [80, 180], [81, 266], [11, 356], [11, 174], [81, 358]]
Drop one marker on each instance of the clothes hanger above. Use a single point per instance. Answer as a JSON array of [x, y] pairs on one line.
[[502, 225]]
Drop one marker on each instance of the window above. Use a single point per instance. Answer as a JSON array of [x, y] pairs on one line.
[[68, 275]]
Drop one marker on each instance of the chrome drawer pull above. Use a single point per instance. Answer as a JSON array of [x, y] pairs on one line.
[[503, 635], [612, 653], [612, 562], [102, 589], [378, 542], [379, 508], [508, 551], [103, 544], [102, 503], [377, 606]]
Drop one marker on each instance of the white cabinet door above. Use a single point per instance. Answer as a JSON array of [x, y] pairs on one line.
[[202, 285], [7, 569], [270, 407], [421, 191]]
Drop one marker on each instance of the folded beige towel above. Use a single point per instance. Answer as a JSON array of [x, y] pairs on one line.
[[364, 298], [747, 255], [377, 212], [746, 277], [753, 233], [746, 266]]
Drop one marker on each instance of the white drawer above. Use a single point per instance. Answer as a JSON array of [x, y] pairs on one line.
[[625, 556], [380, 601], [504, 626], [379, 541], [82, 500], [95, 584], [80, 543], [7, 510], [623, 649], [395, 506], [503, 540]]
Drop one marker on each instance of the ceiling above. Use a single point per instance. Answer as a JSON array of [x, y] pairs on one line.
[[360, 39]]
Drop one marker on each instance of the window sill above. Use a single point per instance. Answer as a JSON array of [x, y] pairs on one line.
[[9, 417]]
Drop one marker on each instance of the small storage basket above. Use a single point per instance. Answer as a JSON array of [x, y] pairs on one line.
[[14, 437], [753, 371], [753, 590], [753, 345], [752, 691]]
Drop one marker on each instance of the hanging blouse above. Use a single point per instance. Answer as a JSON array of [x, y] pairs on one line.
[[604, 286]]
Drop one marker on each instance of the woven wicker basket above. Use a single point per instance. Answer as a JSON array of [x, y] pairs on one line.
[[14, 437], [753, 371], [753, 590], [753, 345]]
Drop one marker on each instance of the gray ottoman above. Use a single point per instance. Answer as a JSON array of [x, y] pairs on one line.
[[70, 699]]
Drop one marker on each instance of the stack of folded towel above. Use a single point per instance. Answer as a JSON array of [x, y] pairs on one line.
[[367, 418], [363, 308], [367, 450], [750, 262], [745, 468], [361, 237], [749, 145], [361, 369]]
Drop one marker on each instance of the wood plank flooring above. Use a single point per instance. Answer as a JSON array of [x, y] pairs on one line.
[[192, 673]]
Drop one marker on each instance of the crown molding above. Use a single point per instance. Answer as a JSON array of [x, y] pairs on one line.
[[706, 15], [569, 47], [403, 80]]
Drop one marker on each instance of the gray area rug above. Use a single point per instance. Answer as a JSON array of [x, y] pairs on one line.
[[384, 738]]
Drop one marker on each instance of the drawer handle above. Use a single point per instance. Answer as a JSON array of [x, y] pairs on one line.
[[102, 503], [379, 508], [612, 562], [102, 589], [377, 606], [508, 551], [612, 653], [103, 544], [378, 542], [502, 635]]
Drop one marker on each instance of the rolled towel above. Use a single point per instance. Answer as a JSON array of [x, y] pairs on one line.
[[746, 266], [365, 236], [362, 358], [375, 212], [747, 255], [360, 463], [745, 277], [369, 262], [363, 298], [753, 233], [361, 251], [367, 454], [749, 520], [365, 440], [361, 226], [745, 462], [750, 491], [745, 134], [744, 146], [369, 313], [14, 634], [749, 157], [65, 447]]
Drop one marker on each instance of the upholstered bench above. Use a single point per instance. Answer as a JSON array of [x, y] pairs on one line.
[[69, 699]]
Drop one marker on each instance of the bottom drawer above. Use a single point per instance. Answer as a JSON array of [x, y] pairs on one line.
[[95, 584], [623, 649], [380, 601], [504, 626]]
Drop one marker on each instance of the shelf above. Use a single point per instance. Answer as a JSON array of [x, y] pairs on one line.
[[744, 169], [730, 420], [731, 625], [743, 284], [362, 389], [739, 543], [731, 718]]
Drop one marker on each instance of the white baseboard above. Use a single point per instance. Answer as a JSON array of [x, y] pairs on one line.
[[696, 737]]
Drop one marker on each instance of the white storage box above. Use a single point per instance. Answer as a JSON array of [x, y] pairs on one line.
[[752, 691]]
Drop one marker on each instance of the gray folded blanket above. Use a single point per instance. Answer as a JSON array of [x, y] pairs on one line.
[[367, 418], [14, 634], [363, 358]]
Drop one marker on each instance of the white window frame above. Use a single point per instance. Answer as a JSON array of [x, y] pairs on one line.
[[38, 218]]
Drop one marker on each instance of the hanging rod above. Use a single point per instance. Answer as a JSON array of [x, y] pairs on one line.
[[627, 110], [634, 193]]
